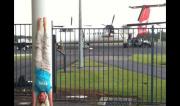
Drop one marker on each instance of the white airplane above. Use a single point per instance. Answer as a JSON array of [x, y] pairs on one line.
[[90, 34]]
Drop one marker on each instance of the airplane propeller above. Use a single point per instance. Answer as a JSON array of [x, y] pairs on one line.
[[113, 19], [111, 22], [71, 20]]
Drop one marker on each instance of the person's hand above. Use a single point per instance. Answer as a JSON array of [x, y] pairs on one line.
[[33, 99]]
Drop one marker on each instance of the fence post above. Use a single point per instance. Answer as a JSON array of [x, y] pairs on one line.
[[65, 63], [152, 62], [53, 62]]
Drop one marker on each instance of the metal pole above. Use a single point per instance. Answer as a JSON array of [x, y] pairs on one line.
[[65, 63], [152, 62], [80, 37]]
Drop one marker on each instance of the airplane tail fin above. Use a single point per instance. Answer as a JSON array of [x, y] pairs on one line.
[[143, 18], [144, 14]]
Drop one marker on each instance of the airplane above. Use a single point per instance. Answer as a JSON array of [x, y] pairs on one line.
[[70, 34], [110, 28]]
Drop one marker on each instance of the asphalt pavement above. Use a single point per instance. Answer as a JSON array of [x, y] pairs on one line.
[[112, 55]]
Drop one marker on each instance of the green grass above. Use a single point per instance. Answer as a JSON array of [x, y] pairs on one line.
[[22, 57], [116, 82], [146, 58]]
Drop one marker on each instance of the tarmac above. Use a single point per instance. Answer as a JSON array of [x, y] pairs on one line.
[[26, 101]]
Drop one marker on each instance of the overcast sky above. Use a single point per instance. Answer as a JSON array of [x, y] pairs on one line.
[[94, 12]]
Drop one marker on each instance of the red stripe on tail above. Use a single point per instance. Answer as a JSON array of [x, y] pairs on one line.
[[143, 18]]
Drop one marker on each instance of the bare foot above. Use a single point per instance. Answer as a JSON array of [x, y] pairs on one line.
[[45, 23]]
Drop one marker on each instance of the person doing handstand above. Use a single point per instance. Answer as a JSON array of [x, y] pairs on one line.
[[42, 94]]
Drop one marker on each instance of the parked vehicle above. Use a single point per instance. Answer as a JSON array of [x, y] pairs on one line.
[[137, 42]]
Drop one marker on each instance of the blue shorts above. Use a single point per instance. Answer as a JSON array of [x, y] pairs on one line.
[[42, 81]]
